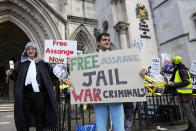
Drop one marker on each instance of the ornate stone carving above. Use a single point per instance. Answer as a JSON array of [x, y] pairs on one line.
[[24, 20], [105, 26], [23, 6], [121, 27], [81, 33], [76, 19], [57, 15]]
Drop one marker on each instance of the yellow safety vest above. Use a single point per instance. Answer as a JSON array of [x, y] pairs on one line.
[[184, 90]]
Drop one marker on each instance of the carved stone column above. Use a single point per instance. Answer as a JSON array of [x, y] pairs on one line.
[[122, 28]]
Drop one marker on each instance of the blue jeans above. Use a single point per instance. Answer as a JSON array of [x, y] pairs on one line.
[[117, 115]]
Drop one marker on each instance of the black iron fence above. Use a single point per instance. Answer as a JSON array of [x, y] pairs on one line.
[[4, 95], [71, 115], [157, 110], [164, 109]]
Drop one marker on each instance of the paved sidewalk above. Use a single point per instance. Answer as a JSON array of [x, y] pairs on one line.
[[168, 127], [7, 124], [177, 128], [7, 121]]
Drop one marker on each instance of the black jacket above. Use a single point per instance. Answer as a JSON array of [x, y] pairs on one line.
[[44, 79]]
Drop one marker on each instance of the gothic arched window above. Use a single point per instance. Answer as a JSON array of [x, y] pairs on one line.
[[85, 42], [80, 43]]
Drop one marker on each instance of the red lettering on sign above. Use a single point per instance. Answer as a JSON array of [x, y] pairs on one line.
[[59, 43], [77, 97], [96, 94], [54, 42], [47, 50], [53, 59], [68, 59], [88, 94], [71, 52], [54, 51], [67, 52]]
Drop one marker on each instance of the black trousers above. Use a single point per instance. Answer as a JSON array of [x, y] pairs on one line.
[[33, 106], [129, 115], [186, 110]]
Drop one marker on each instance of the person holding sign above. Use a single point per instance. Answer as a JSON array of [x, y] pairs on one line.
[[34, 103], [90, 74], [115, 109], [181, 81], [102, 109]]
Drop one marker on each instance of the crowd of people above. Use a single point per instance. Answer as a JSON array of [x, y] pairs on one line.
[[35, 103]]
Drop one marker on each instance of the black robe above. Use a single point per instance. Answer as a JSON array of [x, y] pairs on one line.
[[44, 78]]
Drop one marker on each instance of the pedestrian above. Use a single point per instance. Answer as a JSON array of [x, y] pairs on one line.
[[116, 110], [181, 81], [34, 102], [102, 110]]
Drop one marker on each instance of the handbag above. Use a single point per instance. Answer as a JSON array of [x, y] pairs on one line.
[[89, 127]]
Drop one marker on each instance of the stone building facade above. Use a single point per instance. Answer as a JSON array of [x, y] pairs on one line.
[[175, 25], [128, 22], [37, 20]]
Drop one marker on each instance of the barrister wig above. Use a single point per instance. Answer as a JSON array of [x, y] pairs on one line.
[[24, 56]]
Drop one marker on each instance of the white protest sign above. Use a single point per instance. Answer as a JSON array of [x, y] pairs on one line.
[[59, 51], [107, 77], [193, 81], [155, 66], [193, 67]]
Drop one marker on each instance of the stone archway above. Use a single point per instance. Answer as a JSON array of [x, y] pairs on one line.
[[33, 18], [22, 21], [84, 39], [12, 42]]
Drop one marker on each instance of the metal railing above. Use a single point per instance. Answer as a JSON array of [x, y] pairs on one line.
[[157, 110]]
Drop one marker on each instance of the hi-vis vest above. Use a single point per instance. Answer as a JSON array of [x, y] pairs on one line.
[[184, 90]]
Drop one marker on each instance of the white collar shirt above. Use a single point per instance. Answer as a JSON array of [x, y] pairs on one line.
[[31, 76]]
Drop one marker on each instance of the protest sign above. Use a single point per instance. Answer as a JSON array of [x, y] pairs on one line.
[[155, 66], [107, 77], [193, 67], [59, 51]]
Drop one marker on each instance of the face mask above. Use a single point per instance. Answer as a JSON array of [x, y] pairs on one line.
[[60, 71]]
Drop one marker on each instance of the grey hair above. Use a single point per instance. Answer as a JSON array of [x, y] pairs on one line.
[[24, 56]]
